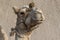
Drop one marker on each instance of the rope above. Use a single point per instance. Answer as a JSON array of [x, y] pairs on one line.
[[16, 36]]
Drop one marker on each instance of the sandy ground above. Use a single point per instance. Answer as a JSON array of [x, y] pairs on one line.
[[48, 30]]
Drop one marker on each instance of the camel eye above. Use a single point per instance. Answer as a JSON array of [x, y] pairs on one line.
[[22, 13]]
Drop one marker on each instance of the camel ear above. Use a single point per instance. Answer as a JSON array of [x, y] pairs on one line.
[[16, 10], [31, 5]]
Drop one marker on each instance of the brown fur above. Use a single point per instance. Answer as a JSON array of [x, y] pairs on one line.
[[3, 34], [26, 26]]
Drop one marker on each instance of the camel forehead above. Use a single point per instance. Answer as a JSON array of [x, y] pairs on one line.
[[23, 10]]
